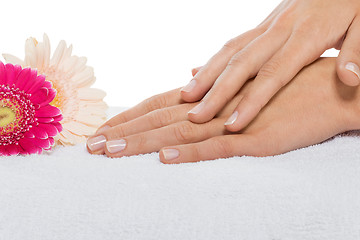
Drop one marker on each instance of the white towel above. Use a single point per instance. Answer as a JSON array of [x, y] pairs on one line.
[[311, 193]]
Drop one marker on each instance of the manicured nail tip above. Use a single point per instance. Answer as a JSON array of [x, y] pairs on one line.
[[170, 154], [96, 143], [198, 108], [115, 146], [189, 87], [232, 118], [352, 67], [102, 129]]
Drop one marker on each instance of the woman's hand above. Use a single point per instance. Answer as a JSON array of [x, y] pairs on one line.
[[294, 35], [312, 108]]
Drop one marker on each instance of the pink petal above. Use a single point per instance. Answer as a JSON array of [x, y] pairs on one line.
[[13, 149], [47, 84], [47, 111], [50, 129], [28, 146], [45, 120], [38, 83], [10, 73], [52, 141], [40, 96], [29, 134], [2, 74], [39, 132], [33, 76], [58, 118], [58, 126], [42, 143], [3, 151], [23, 78]]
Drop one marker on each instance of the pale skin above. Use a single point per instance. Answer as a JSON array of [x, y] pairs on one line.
[[313, 107], [294, 35]]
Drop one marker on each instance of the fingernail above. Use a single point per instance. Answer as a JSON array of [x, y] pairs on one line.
[[352, 67], [102, 129], [189, 87], [115, 146], [170, 154], [232, 118], [198, 108], [96, 143]]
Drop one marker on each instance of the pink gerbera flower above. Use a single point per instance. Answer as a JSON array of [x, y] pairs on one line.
[[28, 124]]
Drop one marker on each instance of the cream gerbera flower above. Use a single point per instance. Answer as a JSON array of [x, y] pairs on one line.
[[82, 107]]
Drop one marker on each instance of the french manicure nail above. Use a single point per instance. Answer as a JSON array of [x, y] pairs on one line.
[[170, 154], [232, 118], [189, 87], [102, 129], [115, 146], [352, 67], [197, 108], [96, 143]]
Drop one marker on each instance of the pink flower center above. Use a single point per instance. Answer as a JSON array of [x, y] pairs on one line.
[[17, 114]]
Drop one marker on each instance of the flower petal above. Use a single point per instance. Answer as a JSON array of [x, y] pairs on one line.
[[12, 59], [13, 149], [92, 94], [38, 83], [39, 132], [47, 111], [2, 74], [42, 143], [23, 78], [29, 146], [50, 129]]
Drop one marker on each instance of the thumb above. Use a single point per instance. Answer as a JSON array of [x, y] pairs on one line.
[[348, 61]]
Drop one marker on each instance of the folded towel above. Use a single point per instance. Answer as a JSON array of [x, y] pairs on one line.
[[310, 193]]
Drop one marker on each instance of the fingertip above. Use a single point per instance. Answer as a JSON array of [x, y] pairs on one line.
[[349, 73], [169, 155]]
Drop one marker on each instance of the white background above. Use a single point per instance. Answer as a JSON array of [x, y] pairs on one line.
[[137, 48]]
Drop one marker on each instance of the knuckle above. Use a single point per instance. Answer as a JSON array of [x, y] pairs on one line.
[[222, 147], [155, 102], [184, 132], [256, 103], [117, 133], [270, 69], [231, 45], [141, 142], [238, 59], [160, 118]]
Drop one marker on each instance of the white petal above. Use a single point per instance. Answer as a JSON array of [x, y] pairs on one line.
[[47, 50], [55, 60], [40, 56], [79, 128], [12, 59], [85, 78], [91, 94], [30, 53]]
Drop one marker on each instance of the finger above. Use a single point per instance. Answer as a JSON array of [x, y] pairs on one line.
[[194, 71], [298, 52], [207, 75], [152, 120], [154, 140], [210, 149], [159, 101], [348, 61], [243, 66]]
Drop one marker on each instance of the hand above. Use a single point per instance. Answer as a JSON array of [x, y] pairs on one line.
[[312, 108], [294, 35]]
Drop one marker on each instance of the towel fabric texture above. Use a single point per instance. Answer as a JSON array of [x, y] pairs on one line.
[[310, 193]]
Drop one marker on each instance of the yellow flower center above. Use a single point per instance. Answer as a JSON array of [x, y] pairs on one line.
[[58, 100], [7, 115]]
